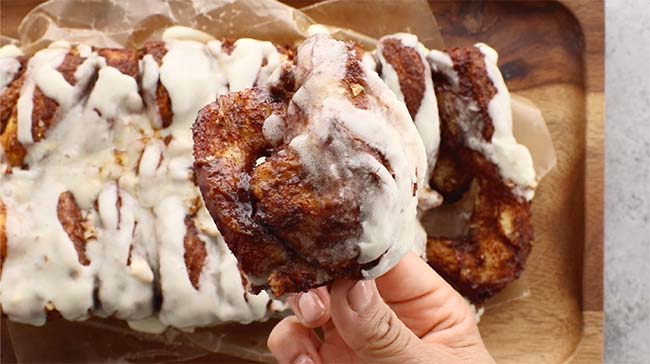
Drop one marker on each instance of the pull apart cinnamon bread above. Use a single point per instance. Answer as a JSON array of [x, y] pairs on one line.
[[461, 106], [287, 243], [314, 164], [100, 214], [478, 146], [314, 178]]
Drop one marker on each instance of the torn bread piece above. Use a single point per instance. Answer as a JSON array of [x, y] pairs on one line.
[[312, 183], [478, 149]]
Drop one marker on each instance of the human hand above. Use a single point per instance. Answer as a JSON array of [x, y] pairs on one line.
[[408, 315]]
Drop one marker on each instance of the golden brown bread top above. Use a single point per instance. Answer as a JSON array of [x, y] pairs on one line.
[[44, 109], [409, 68], [451, 177], [124, 60], [496, 246], [354, 81], [44, 112], [14, 151], [163, 102], [195, 252], [272, 187], [497, 243], [3, 234], [474, 84], [220, 167], [71, 220], [9, 97]]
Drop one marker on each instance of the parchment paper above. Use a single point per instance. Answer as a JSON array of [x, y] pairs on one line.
[[123, 23]]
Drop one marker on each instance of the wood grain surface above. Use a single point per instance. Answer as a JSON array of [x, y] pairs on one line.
[[551, 52]]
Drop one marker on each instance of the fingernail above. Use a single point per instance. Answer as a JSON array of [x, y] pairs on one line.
[[303, 359], [360, 295], [311, 307]]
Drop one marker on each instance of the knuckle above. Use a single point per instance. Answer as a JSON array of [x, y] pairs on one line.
[[385, 336]]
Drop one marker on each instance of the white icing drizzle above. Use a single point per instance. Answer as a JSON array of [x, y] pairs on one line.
[[317, 29], [420, 241], [76, 153], [149, 325], [192, 78], [76, 156], [183, 305], [441, 62], [260, 160], [115, 94], [195, 70], [42, 267], [426, 118], [513, 159], [9, 65], [250, 63], [41, 72], [46, 62], [151, 159], [184, 33], [388, 211], [11, 51], [150, 75], [235, 304], [273, 129], [370, 61], [124, 290], [220, 295]]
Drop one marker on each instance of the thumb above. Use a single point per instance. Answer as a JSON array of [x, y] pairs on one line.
[[370, 328]]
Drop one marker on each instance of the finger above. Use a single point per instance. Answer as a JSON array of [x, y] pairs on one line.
[[422, 299], [410, 278], [312, 307], [292, 343], [369, 327]]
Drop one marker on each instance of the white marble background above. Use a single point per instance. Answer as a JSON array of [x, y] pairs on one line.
[[627, 182]]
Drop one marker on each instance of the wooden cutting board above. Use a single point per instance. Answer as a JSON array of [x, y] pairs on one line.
[[551, 52]]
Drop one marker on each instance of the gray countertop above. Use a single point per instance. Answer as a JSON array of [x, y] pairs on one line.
[[627, 181]]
